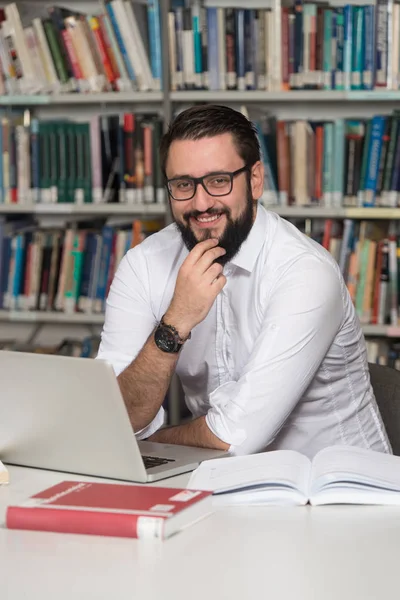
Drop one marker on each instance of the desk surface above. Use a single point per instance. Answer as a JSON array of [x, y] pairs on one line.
[[301, 553]]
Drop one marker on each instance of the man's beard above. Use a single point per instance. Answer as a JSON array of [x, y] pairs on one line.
[[233, 236]]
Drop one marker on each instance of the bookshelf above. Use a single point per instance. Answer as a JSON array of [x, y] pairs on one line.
[[306, 212], [53, 317], [137, 98], [90, 210], [297, 96], [42, 317], [308, 104], [228, 96]]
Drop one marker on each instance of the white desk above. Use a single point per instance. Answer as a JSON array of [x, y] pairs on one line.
[[326, 553]]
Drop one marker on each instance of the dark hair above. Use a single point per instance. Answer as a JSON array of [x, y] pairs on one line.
[[209, 120]]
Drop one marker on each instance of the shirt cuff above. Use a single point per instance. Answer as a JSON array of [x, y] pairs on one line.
[[152, 427], [224, 416]]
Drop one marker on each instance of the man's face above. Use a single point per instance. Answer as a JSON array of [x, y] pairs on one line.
[[230, 217]]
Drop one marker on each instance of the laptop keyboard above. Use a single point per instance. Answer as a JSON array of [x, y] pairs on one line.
[[155, 461]]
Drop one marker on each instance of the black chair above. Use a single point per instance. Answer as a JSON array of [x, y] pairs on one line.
[[386, 385]]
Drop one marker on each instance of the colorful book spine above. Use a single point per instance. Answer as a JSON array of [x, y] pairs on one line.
[[377, 130], [153, 14], [369, 47], [357, 48]]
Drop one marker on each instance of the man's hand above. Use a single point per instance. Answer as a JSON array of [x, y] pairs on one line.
[[199, 282]]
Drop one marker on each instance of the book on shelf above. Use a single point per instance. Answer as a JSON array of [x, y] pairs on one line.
[[68, 270], [298, 46], [4, 474], [335, 475], [332, 163], [110, 509], [368, 255], [52, 49], [110, 158]]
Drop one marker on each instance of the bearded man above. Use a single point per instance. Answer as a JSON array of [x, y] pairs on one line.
[[254, 317]]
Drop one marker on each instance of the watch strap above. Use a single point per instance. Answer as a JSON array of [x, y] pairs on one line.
[[178, 338]]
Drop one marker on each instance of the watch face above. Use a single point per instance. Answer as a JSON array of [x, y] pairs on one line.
[[165, 339]]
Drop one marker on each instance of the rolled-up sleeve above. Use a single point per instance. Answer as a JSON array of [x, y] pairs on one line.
[[129, 320], [303, 314]]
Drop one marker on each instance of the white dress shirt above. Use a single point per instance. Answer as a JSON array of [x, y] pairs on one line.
[[279, 361]]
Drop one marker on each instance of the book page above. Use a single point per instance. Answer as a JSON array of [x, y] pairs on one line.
[[279, 476], [4, 476], [354, 475]]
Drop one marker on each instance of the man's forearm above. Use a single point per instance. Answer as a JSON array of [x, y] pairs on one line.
[[195, 433], [144, 383]]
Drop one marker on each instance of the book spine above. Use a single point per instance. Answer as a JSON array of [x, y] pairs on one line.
[[47, 59], [198, 55], [153, 13], [338, 163], [240, 50], [139, 56], [56, 53], [230, 49], [298, 44], [115, 55], [204, 47], [115, 27], [179, 46], [339, 67], [188, 50], [383, 159], [212, 42], [328, 161], [364, 164], [369, 48], [57, 18], [381, 42], [248, 49], [221, 48], [94, 24], [378, 124], [285, 48], [357, 48], [394, 135], [106, 248], [327, 50], [347, 45], [84, 522]]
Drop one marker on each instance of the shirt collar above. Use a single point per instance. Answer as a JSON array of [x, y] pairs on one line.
[[251, 247]]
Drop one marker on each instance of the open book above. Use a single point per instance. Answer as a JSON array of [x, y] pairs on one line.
[[336, 475]]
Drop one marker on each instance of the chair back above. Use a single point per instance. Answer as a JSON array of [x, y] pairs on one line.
[[385, 382]]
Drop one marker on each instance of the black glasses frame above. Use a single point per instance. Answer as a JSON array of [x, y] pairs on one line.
[[200, 180]]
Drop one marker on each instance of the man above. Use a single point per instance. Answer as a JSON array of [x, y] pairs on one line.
[[253, 316]]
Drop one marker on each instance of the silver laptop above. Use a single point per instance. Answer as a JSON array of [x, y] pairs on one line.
[[67, 414]]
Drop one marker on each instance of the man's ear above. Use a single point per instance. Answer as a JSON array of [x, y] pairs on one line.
[[257, 180]]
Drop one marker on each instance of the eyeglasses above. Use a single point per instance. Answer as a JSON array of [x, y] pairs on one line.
[[215, 184]]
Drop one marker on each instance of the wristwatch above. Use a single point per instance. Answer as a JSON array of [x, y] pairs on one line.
[[167, 338]]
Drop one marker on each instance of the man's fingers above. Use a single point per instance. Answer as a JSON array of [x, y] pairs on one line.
[[214, 271], [208, 258], [218, 283], [200, 249]]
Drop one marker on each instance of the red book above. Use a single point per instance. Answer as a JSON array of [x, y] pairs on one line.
[[110, 509]]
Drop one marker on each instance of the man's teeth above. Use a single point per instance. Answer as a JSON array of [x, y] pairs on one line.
[[208, 219]]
